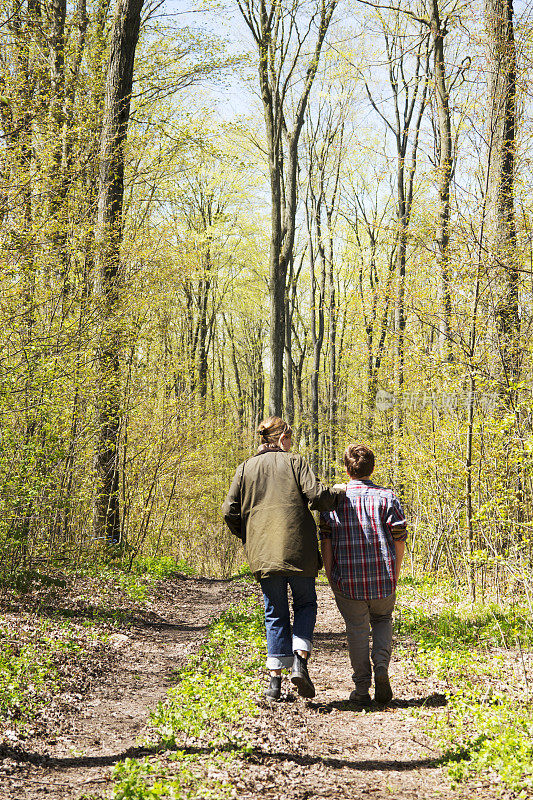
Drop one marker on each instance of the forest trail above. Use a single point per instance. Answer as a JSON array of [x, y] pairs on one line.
[[326, 749], [302, 750], [77, 760]]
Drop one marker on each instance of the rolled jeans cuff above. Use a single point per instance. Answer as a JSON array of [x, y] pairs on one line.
[[279, 662], [301, 644]]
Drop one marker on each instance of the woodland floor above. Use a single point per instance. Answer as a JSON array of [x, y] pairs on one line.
[[303, 750]]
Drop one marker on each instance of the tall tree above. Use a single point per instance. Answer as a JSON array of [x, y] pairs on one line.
[[500, 213], [108, 238], [409, 97], [445, 156], [324, 155], [288, 63]]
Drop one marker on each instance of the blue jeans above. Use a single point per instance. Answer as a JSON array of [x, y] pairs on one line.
[[282, 643]]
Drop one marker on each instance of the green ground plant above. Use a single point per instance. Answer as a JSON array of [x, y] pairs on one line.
[[181, 778], [488, 725], [215, 693], [161, 567], [34, 666], [37, 652], [136, 578], [244, 573]]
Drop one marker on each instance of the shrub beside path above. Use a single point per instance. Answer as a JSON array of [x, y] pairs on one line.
[[301, 750]]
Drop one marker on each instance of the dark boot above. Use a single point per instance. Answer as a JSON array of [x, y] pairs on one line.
[[361, 700], [383, 693], [274, 690], [300, 677]]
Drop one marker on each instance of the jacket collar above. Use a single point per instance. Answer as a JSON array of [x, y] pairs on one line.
[[265, 448]]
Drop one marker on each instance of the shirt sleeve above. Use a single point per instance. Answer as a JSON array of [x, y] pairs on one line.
[[395, 520], [231, 508], [325, 528]]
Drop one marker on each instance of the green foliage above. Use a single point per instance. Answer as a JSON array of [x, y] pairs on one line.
[[27, 579], [23, 672], [148, 780], [138, 578], [244, 573], [30, 666], [491, 626], [161, 567], [205, 707], [488, 724], [145, 571], [135, 587], [216, 691], [487, 732]]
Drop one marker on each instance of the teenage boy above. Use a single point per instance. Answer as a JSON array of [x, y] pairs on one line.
[[363, 543]]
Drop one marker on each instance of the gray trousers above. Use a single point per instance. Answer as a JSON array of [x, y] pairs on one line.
[[361, 616]]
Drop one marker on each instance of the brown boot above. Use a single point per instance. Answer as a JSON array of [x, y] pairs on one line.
[[383, 693]]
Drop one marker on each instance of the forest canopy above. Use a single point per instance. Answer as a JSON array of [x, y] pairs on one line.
[[211, 213]]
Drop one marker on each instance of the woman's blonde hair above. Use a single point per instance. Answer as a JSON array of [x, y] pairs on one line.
[[271, 428]]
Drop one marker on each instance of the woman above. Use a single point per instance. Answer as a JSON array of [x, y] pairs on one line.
[[267, 507]]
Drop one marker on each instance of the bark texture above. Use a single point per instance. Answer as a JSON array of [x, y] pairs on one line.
[[438, 32], [500, 213], [108, 272]]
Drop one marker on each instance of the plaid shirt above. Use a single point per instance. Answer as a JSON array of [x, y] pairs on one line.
[[362, 533]]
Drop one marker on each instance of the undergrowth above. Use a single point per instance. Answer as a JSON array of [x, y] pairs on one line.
[[478, 653], [137, 578], [47, 651], [34, 666], [204, 711]]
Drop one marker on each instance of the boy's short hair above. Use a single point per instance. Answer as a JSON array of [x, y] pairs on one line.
[[359, 460]]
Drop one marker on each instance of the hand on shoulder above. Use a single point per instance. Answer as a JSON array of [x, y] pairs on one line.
[[340, 486]]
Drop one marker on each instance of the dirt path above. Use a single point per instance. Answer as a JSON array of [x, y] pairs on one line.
[[326, 749], [77, 759], [320, 749]]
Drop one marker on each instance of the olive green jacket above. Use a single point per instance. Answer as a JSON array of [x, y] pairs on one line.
[[267, 507]]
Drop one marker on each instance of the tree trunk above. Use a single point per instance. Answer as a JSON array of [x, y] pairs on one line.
[[406, 131], [332, 399], [277, 284], [374, 359], [57, 188], [108, 273], [399, 326], [289, 369], [501, 228], [272, 28], [203, 327], [16, 119], [317, 328], [444, 179]]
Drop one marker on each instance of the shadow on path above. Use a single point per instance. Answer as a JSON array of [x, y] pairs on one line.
[[330, 641], [53, 762], [257, 755], [435, 700], [366, 764], [124, 616]]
